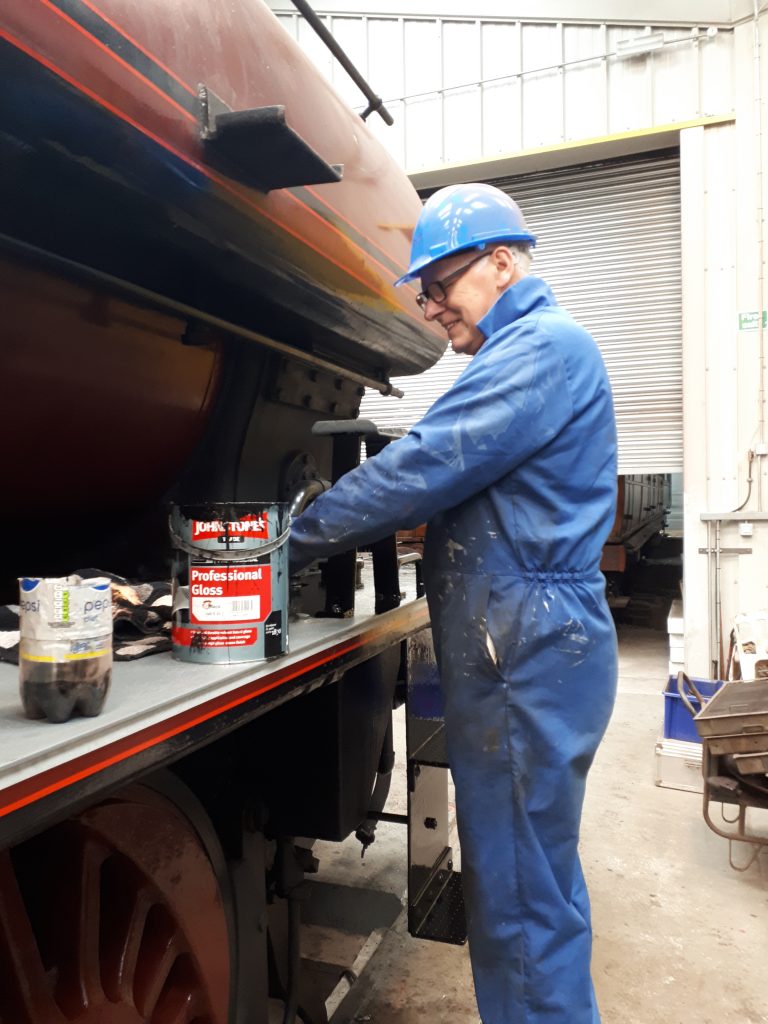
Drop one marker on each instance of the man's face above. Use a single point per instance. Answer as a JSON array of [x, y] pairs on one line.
[[469, 295]]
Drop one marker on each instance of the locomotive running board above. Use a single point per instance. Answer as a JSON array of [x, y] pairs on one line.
[[435, 894]]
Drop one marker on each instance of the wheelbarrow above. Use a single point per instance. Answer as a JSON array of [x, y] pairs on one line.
[[733, 726]]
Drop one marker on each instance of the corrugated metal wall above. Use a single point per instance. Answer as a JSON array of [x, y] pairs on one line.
[[465, 88], [609, 245]]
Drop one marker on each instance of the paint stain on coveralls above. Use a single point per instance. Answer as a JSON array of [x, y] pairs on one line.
[[576, 641], [452, 547], [506, 456], [491, 648], [491, 744]]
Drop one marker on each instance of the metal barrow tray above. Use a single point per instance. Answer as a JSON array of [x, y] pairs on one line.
[[738, 709]]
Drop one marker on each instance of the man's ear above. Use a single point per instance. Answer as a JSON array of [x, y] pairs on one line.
[[505, 261]]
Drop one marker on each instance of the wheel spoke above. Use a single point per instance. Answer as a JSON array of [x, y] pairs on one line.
[[159, 951], [126, 901], [115, 917], [180, 1001], [24, 989], [77, 928]]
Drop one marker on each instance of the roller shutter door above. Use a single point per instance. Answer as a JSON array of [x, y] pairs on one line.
[[609, 245]]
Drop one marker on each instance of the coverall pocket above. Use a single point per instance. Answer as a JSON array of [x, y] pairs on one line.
[[485, 642]]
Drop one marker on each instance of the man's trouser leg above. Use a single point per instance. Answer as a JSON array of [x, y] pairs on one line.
[[522, 733]]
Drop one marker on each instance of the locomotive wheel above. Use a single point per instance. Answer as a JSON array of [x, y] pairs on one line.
[[115, 916]]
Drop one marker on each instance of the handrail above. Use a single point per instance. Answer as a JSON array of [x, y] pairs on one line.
[[375, 103]]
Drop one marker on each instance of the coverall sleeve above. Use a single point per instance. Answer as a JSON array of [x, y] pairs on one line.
[[509, 402]]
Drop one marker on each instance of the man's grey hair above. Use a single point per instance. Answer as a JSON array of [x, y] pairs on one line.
[[526, 256]]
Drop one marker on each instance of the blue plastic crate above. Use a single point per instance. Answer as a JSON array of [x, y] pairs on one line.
[[425, 694], [678, 723]]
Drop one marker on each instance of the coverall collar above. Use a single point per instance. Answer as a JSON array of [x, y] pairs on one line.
[[517, 301]]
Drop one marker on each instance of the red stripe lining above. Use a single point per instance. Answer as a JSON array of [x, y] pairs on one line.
[[154, 735], [189, 89], [144, 50], [88, 92], [123, 63], [338, 231], [29, 790], [222, 182], [340, 215]]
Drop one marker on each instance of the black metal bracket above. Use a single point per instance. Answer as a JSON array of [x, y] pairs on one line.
[[258, 147], [340, 570]]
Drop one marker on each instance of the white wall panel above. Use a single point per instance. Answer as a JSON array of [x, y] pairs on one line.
[[675, 83], [499, 85], [542, 89], [629, 85], [423, 56], [423, 74], [386, 74], [462, 53], [721, 348], [386, 59], [585, 93], [502, 118], [462, 125], [722, 373], [661, 12], [462, 107], [500, 43], [502, 94], [351, 35], [423, 131], [716, 78], [315, 48]]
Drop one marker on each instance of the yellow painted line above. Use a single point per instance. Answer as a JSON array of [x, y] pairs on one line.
[[635, 133], [574, 144], [67, 657]]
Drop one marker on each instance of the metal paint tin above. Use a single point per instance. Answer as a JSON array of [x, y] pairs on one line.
[[230, 581]]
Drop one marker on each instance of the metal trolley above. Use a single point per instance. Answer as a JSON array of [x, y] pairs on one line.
[[733, 726]]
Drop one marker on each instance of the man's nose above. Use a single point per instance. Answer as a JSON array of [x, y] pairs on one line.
[[432, 309]]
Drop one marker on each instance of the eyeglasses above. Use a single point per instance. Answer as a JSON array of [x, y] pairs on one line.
[[437, 291]]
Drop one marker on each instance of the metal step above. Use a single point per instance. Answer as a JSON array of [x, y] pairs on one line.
[[435, 894], [439, 914]]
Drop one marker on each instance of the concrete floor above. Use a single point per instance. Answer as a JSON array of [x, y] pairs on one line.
[[680, 937]]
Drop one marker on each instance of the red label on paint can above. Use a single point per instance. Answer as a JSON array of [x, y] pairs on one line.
[[214, 638], [252, 526], [241, 593]]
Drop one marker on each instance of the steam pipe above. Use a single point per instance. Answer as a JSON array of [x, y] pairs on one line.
[[301, 498]]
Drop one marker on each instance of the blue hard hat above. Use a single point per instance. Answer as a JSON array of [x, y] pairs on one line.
[[463, 217]]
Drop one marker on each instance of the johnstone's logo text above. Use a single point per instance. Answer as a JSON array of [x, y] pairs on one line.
[[249, 526]]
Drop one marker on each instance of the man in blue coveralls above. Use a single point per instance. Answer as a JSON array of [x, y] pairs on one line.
[[514, 471]]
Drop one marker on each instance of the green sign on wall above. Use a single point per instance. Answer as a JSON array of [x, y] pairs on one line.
[[751, 321]]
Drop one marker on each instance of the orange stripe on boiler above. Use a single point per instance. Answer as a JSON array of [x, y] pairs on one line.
[[144, 50], [223, 182], [123, 63]]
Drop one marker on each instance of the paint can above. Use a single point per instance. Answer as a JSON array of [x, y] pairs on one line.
[[230, 581], [65, 645]]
